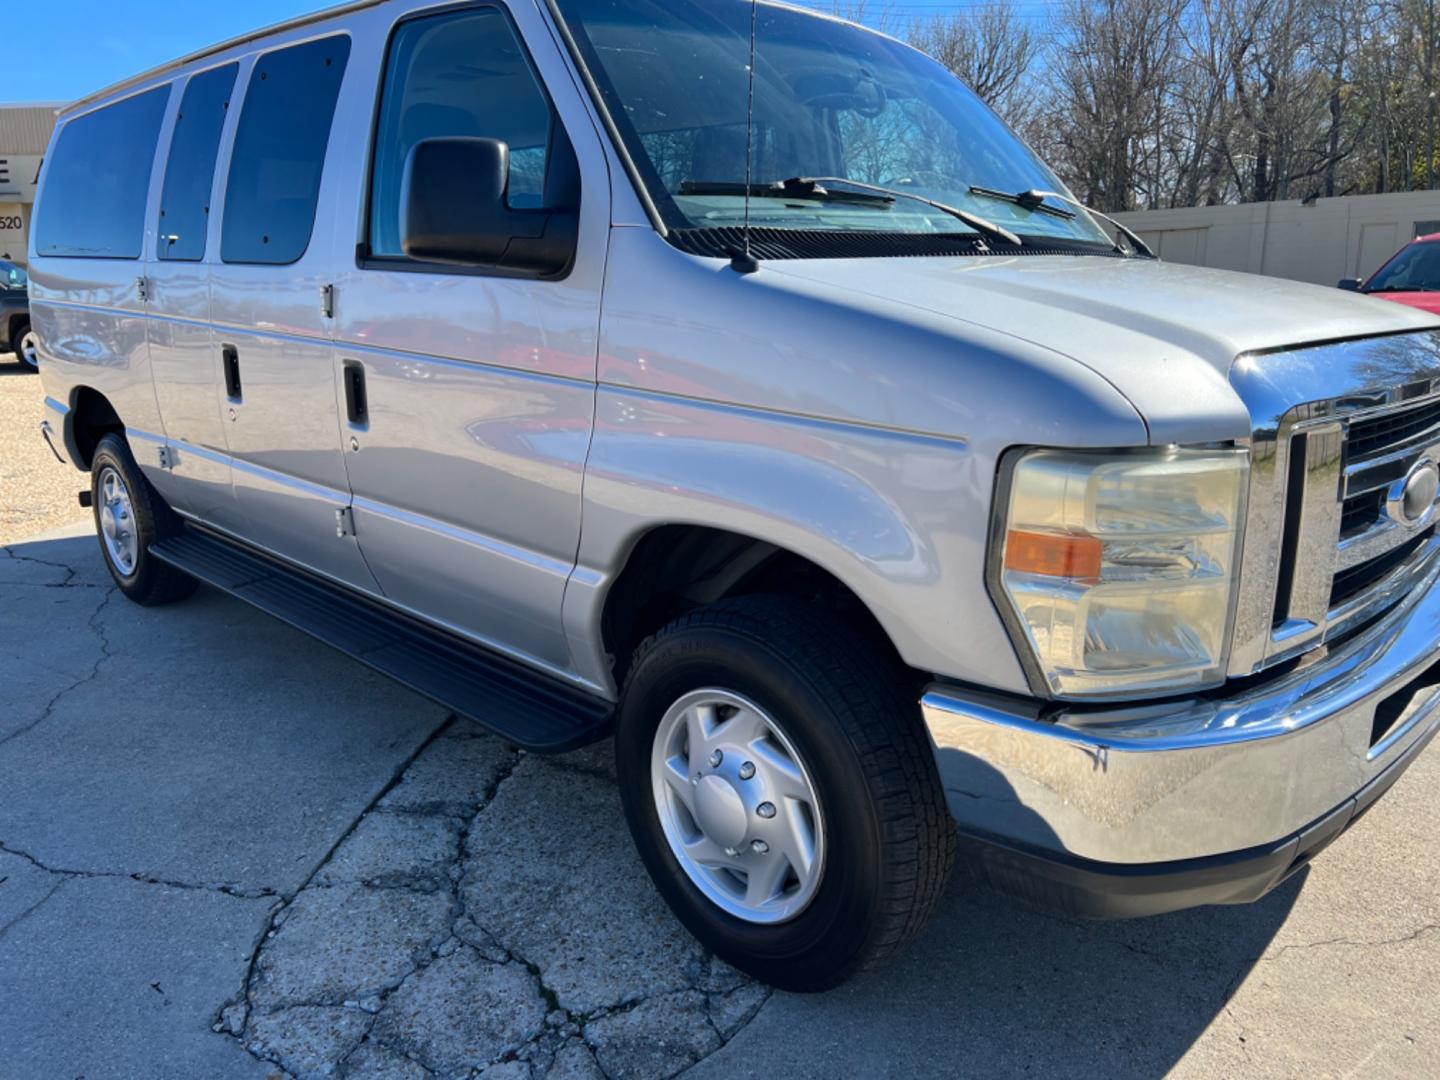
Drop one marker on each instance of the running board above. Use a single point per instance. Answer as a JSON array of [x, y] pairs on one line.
[[523, 706]]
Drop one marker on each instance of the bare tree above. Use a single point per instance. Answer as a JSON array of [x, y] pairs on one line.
[[1112, 64], [1148, 103], [991, 48]]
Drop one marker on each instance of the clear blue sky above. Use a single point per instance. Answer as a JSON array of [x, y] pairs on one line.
[[59, 50]]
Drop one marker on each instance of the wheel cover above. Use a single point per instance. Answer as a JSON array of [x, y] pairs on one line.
[[30, 348], [737, 806], [117, 522]]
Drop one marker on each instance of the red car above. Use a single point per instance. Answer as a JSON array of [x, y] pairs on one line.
[[1411, 276]]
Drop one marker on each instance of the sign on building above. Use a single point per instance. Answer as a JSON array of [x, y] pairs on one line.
[[19, 175]]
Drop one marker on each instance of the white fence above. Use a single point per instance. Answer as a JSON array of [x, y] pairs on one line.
[[1320, 242]]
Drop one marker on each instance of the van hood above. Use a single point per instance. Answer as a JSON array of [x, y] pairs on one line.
[[1163, 334]]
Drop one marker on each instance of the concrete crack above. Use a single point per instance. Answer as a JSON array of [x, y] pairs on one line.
[[97, 628], [710, 1003], [70, 572], [242, 999], [1414, 935], [244, 892], [18, 919]]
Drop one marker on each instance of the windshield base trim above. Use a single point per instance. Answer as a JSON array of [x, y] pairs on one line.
[[778, 243]]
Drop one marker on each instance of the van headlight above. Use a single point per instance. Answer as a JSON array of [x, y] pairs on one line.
[[1116, 572]]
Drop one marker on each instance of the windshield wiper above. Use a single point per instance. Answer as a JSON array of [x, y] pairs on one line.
[[1402, 288], [1035, 201], [797, 189], [813, 187], [1022, 201], [981, 225]]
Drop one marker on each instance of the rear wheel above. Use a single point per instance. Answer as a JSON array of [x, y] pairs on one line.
[[130, 515], [782, 792]]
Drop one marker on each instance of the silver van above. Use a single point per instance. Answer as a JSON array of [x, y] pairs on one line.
[[729, 378]]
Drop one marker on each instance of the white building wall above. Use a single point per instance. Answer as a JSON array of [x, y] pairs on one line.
[[1321, 243]]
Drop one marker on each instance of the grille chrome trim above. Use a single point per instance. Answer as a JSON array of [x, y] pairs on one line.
[[1320, 392], [1319, 530], [1384, 537], [1370, 473]]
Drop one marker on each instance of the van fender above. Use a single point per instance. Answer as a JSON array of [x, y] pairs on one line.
[[889, 514]]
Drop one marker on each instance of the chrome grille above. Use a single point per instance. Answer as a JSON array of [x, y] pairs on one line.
[[1350, 583], [1375, 434], [1325, 545], [1360, 512]]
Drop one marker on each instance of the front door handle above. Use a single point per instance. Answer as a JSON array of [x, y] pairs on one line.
[[356, 407], [230, 361]]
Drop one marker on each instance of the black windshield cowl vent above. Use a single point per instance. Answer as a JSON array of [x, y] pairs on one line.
[[770, 243]]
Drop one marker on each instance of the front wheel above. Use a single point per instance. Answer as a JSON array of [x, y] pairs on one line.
[[130, 515], [781, 790]]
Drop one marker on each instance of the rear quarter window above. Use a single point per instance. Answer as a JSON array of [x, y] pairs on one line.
[[190, 172], [92, 199], [279, 152]]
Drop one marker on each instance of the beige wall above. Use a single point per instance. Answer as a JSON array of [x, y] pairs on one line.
[[24, 134], [14, 227], [1320, 243]]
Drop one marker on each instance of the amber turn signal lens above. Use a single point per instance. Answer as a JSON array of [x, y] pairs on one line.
[[1067, 555]]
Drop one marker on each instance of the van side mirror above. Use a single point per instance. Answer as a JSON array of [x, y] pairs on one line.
[[453, 210], [1349, 284]]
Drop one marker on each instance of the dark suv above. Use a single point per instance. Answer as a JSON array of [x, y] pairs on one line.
[[15, 333]]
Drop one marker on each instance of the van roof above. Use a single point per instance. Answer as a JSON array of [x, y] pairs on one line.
[[242, 39], [320, 16]]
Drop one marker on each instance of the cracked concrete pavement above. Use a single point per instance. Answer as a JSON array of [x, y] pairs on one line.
[[228, 851]]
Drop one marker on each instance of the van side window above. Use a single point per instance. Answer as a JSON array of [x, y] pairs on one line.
[[190, 173], [461, 74], [98, 179], [279, 152]]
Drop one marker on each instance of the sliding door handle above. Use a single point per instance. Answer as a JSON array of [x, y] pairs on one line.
[[356, 408], [230, 361]]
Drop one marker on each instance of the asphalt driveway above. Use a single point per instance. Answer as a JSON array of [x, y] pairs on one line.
[[227, 851]]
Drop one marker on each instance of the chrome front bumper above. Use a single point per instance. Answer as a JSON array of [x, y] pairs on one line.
[[1175, 781]]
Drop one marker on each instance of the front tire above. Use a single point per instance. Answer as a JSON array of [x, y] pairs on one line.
[[812, 840], [130, 515]]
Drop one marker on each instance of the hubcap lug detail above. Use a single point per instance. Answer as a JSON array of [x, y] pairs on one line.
[[716, 797]]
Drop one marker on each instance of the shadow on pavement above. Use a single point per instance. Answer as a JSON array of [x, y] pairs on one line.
[[994, 989], [999, 987]]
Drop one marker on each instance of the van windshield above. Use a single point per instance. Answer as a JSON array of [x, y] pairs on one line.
[[831, 100]]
